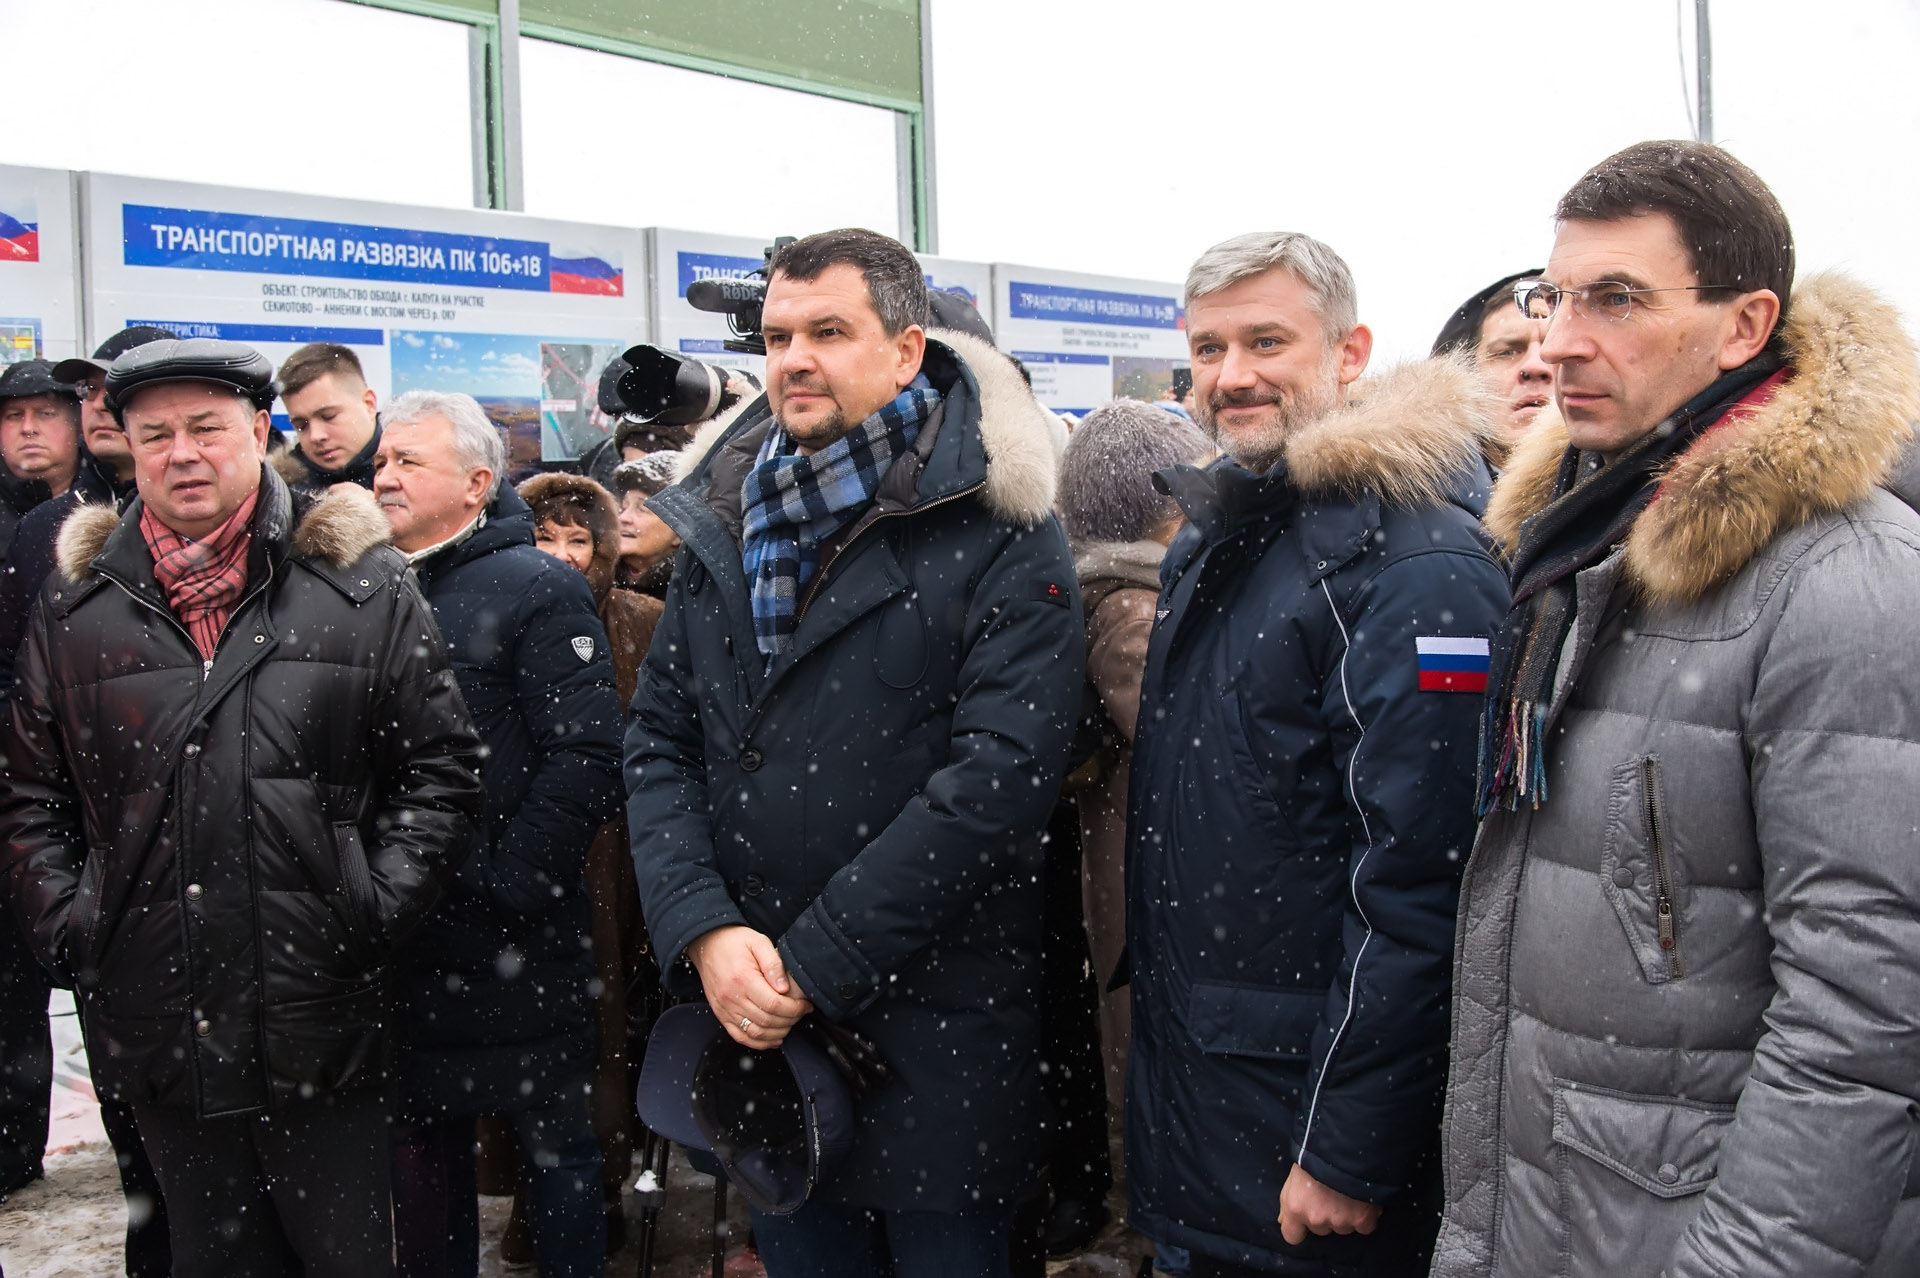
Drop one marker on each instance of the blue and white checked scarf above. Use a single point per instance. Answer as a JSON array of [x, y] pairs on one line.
[[793, 503]]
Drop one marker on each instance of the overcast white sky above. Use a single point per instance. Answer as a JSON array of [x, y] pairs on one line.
[[1426, 141]]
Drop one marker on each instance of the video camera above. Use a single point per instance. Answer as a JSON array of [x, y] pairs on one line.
[[659, 386], [740, 300]]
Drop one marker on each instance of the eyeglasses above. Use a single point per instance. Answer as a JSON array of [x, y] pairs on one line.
[[1605, 300], [87, 387]]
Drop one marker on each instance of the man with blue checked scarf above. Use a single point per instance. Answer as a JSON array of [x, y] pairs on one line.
[[848, 735]]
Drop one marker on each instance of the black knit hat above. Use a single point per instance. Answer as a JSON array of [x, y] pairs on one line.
[[1462, 329]]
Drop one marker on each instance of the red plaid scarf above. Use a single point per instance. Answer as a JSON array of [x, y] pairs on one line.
[[203, 579]]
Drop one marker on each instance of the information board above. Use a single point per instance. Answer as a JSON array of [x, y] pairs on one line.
[[1086, 339], [39, 266], [521, 313]]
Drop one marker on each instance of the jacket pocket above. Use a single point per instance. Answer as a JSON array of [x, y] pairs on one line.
[[1626, 1169], [361, 916], [1641, 871], [1254, 1020], [93, 921], [79, 959], [1252, 762]]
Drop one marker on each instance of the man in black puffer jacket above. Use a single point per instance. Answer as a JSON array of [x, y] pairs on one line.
[[498, 1014], [237, 773]]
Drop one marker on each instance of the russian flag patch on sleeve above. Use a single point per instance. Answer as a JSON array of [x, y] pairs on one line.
[[1452, 665]]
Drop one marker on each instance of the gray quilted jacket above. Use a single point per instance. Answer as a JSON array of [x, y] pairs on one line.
[[1686, 1035]]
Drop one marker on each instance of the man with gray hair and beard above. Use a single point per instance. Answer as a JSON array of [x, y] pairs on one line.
[[1302, 784]]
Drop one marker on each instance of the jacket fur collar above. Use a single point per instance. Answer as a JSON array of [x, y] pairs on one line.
[[1018, 435], [1407, 436], [341, 525], [1833, 433], [1135, 563]]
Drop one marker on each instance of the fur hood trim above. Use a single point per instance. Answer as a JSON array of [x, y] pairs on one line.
[[704, 439], [1407, 436], [1023, 441], [291, 469], [343, 524], [83, 536], [1136, 562], [1835, 431]]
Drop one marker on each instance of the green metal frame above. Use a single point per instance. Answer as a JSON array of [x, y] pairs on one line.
[[488, 24], [435, 9]]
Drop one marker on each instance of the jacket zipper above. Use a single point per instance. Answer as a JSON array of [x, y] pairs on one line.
[[821, 576], [1662, 872], [184, 783]]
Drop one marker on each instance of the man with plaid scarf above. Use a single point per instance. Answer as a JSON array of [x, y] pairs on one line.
[[848, 735]]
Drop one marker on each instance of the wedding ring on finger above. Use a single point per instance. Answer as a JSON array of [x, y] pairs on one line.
[[745, 1025]]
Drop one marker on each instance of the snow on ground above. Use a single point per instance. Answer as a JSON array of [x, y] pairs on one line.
[[71, 1224]]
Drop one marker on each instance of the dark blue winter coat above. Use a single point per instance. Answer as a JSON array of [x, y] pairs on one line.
[[495, 982], [1299, 816], [875, 803]]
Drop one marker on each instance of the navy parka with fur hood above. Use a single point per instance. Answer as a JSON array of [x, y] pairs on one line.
[[875, 802], [1299, 815]]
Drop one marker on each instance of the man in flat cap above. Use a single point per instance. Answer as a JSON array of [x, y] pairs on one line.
[[237, 770]]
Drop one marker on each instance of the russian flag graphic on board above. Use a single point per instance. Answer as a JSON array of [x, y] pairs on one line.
[[1452, 665], [585, 274], [19, 241]]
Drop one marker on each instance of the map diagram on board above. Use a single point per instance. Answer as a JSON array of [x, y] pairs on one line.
[[570, 418]]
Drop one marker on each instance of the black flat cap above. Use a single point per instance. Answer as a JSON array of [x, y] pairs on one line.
[[234, 365], [32, 377], [72, 370]]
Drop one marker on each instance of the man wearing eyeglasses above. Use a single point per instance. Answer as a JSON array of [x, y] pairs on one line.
[[1687, 990]]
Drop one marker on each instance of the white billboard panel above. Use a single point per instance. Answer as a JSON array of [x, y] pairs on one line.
[[521, 313], [39, 266], [1086, 339]]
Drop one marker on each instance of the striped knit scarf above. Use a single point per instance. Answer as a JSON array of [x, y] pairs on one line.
[[1590, 514], [793, 503], [203, 579]]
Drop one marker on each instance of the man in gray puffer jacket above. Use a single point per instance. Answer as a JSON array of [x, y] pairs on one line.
[[1686, 1034]]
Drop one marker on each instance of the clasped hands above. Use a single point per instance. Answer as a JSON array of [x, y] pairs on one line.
[[747, 985]]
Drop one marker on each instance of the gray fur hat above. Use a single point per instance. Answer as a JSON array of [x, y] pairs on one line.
[[1106, 476]]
